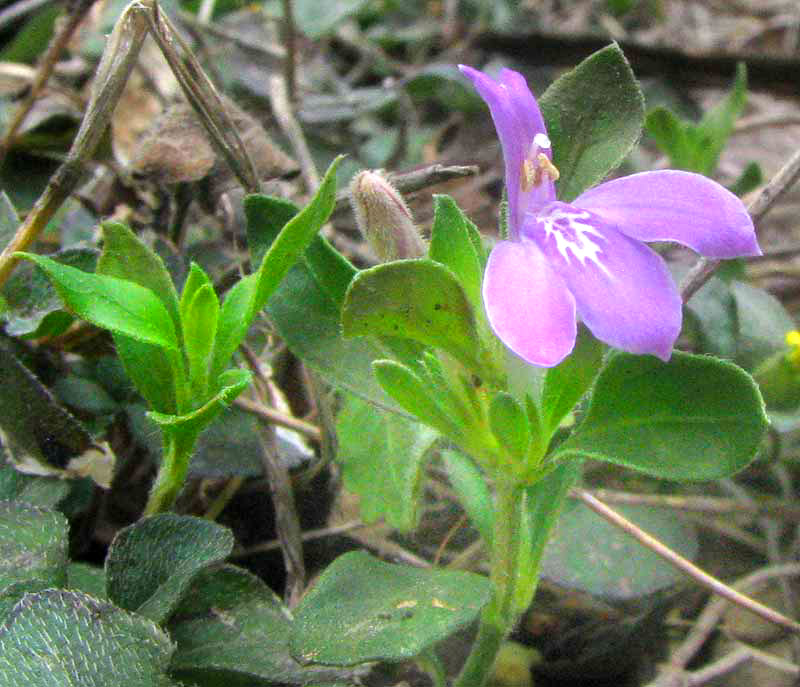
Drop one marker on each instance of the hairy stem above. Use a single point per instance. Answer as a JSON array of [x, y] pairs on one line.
[[499, 616], [178, 448]]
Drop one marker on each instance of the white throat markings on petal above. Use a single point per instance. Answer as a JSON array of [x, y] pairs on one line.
[[575, 237]]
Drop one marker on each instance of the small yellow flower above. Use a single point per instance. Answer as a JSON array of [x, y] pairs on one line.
[[793, 341]]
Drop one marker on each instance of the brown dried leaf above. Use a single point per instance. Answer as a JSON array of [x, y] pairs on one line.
[[177, 149]]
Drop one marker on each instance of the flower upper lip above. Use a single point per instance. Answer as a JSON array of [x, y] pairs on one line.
[[588, 257]]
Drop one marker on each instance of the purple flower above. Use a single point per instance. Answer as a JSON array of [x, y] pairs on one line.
[[587, 258]]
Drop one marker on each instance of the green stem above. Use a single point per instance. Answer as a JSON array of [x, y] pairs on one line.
[[498, 618], [172, 473]]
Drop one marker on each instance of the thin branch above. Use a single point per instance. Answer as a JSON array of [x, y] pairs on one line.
[[225, 496], [711, 616], [786, 177], [704, 268], [417, 179], [756, 123], [278, 418], [272, 55], [119, 58], [19, 9], [676, 677], [771, 508], [203, 97], [308, 535], [730, 531], [289, 40], [43, 73], [282, 109], [686, 566], [287, 522]]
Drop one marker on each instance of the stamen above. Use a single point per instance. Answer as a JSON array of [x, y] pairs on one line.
[[529, 177], [547, 168], [535, 171]]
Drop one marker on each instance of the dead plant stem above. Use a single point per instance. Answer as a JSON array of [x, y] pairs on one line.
[[289, 40], [44, 71], [716, 586], [119, 58], [704, 268]]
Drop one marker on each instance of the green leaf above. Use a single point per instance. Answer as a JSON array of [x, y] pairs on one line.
[[149, 368], [442, 83], [9, 219], [31, 40], [235, 317], [85, 395], [110, 303], [308, 320], [717, 124], [566, 383], [33, 544], [452, 246], [414, 395], [232, 383], [13, 593], [125, 256], [34, 308], [712, 312], [295, 237], [252, 293], [229, 446], [749, 180], [266, 217], [199, 327], [543, 503], [594, 117], [415, 299], [86, 578], [509, 424], [316, 20], [473, 493], [391, 612], [669, 133], [45, 492], [31, 305], [589, 554], [61, 638], [152, 563], [330, 268], [195, 280], [232, 629], [761, 324], [693, 418], [305, 307], [382, 457], [39, 435]]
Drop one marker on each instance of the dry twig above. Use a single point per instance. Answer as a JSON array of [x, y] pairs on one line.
[[772, 508], [674, 671], [686, 566], [704, 268], [287, 522], [44, 71]]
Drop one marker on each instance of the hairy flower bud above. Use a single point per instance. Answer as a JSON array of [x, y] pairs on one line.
[[384, 218]]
